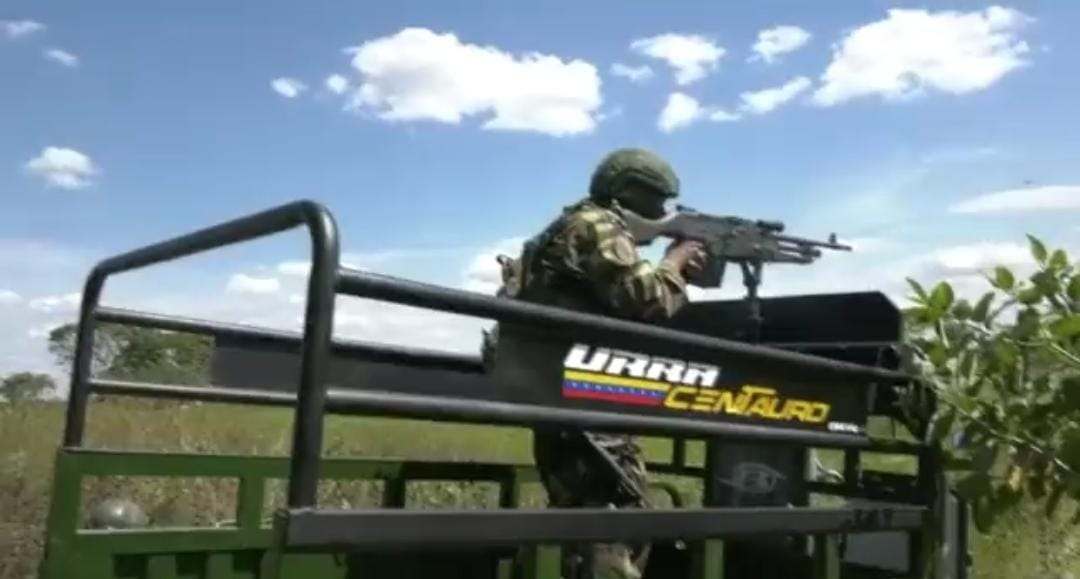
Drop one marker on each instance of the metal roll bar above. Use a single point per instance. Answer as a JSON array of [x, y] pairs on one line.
[[327, 278], [318, 319]]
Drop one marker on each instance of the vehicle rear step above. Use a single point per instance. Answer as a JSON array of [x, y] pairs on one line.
[[343, 529]]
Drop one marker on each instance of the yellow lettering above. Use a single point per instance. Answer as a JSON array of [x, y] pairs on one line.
[[672, 399], [818, 412], [761, 406], [729, 403], [798, 409], [774, 409], [704, 401], [751, 390], [750, 400]]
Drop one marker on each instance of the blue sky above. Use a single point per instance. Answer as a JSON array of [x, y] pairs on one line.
[[123, 126]]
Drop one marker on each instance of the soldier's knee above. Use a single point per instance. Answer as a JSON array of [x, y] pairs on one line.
[[613, 561]]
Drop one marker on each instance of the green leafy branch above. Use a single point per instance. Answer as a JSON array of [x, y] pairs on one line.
[[1006, 370]]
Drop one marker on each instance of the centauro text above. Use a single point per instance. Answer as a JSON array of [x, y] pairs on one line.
[[748, 401]]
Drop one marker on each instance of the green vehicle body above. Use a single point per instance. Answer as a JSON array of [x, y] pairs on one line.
[[238, 549], [254, 545]]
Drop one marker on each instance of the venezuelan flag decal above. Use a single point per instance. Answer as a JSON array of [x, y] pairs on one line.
[[590, 385]]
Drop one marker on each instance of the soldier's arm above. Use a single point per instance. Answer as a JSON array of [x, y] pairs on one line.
[[631, 285]]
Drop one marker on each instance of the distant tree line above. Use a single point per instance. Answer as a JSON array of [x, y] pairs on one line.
[[139, 354], [22, 386], [120, 353]]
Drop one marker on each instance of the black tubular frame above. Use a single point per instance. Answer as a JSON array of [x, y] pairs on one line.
[[327, 278], [350, 529], [318, 321], [478, 411]]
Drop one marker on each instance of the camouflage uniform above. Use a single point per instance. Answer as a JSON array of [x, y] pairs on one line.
[[587, 260]]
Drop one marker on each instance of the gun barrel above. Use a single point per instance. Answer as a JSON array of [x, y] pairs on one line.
[[813, 242]]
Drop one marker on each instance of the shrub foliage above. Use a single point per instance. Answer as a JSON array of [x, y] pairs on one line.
[[1006, 372]]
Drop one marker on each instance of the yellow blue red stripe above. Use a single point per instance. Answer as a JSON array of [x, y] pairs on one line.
[[594, 386]]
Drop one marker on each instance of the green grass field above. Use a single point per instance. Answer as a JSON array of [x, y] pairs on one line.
[[1023, 547]]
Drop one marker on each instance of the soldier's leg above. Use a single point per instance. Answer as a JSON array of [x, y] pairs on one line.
[[563, 474], [620, 559], [574, 476]]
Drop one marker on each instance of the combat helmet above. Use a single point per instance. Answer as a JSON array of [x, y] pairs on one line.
[[639, 180]]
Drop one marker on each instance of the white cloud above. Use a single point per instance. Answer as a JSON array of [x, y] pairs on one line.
[[240, 283], [692, 56], [40, 331], [62, 57], [972, 259], [779, 40], [483, 274], [337, 84], [61, 303], [959, 154], [288, 87], [18, 28], [1023, 200], [632, 73], [720, 115], [682, 110], [910, 51], [764, 101], [869, 244], [62, 167], [612, 113], [294, 268], [418, 74], [46, 273], [388, 323], [38, 258], [381, 259], [393, 324]]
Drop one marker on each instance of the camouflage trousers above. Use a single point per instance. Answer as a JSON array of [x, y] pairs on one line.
[[575, 475]]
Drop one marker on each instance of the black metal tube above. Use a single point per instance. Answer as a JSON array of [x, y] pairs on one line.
[[439, 408], [516, 414], [82, 365], [235, 231], [371, 285], [314, 360], [678, 452], [199, 393], [369, 351], [381, 527]]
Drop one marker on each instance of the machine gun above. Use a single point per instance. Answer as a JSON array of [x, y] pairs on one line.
[[729, 239]]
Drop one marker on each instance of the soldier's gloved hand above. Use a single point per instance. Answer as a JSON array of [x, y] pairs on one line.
[[688, 256]]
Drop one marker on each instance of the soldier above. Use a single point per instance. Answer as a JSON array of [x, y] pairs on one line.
[[587, 260]]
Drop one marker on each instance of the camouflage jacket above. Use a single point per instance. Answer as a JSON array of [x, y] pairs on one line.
[[587, 260]]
